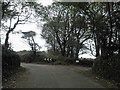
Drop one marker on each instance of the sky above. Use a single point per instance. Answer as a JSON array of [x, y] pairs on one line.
[[46, 2], [19, 44], [22, 42]]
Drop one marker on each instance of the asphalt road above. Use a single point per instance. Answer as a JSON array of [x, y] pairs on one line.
[[54, 76]]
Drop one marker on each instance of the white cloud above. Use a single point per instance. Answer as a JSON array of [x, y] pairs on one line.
[[46, 2], [18, 43], [86, 56]]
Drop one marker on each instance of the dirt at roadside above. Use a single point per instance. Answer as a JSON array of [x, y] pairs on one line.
[[10, 83], [87, 71]]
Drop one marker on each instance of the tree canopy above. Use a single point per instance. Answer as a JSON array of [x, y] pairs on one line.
[[14, 13], [68, 25]]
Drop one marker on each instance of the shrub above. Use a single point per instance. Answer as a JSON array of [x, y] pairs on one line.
[[30, 57], [26, 57], [10, 61], [86, 62], [69, 60], [108, 67]]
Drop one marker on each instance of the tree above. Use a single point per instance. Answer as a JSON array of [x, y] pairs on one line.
[[14, 14], [101, 21], [29, 36], [64, 25], [96, 17], [68, 25], [4, 10]]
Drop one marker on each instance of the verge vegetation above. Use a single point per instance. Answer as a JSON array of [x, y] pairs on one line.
[[10, 63]]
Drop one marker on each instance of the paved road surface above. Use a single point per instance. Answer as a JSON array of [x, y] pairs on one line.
[[54, 76]]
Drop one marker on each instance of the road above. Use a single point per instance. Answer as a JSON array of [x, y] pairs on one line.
[[54, 76]]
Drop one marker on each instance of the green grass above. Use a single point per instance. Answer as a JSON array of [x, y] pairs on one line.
[[104, 82], [11, 81]]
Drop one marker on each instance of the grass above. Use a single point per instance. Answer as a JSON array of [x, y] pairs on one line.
[[104, 82], [11, 81]]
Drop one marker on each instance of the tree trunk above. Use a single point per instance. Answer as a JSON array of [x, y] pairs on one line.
[[111, 28], [54, 44], [59, 42], [68, 51], [71, 54], [97, 50], [77, 53], [119, 46], [77, 47], [97, 45], [104, 49], [6, 40], [9, 31]]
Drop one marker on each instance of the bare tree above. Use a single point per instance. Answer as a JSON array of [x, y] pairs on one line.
[[29, 36], [14, 14]]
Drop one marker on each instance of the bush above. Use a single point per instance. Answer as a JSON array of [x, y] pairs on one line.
[[69, 60], [108, 67], [26, 57], [10, 61], [30, 57], [86, 62]]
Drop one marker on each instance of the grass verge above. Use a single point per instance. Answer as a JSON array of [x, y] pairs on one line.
[[104, 82], [11, 81]]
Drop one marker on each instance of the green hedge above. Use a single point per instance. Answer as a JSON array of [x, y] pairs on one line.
[[69, 60], [30, 57], [86, 62], [10, 61], [108, 67]]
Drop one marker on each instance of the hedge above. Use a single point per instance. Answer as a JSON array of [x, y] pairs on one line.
[[108, 68], [10, 61]]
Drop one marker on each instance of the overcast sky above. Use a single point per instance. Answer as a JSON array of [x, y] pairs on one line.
[[20, 44]]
